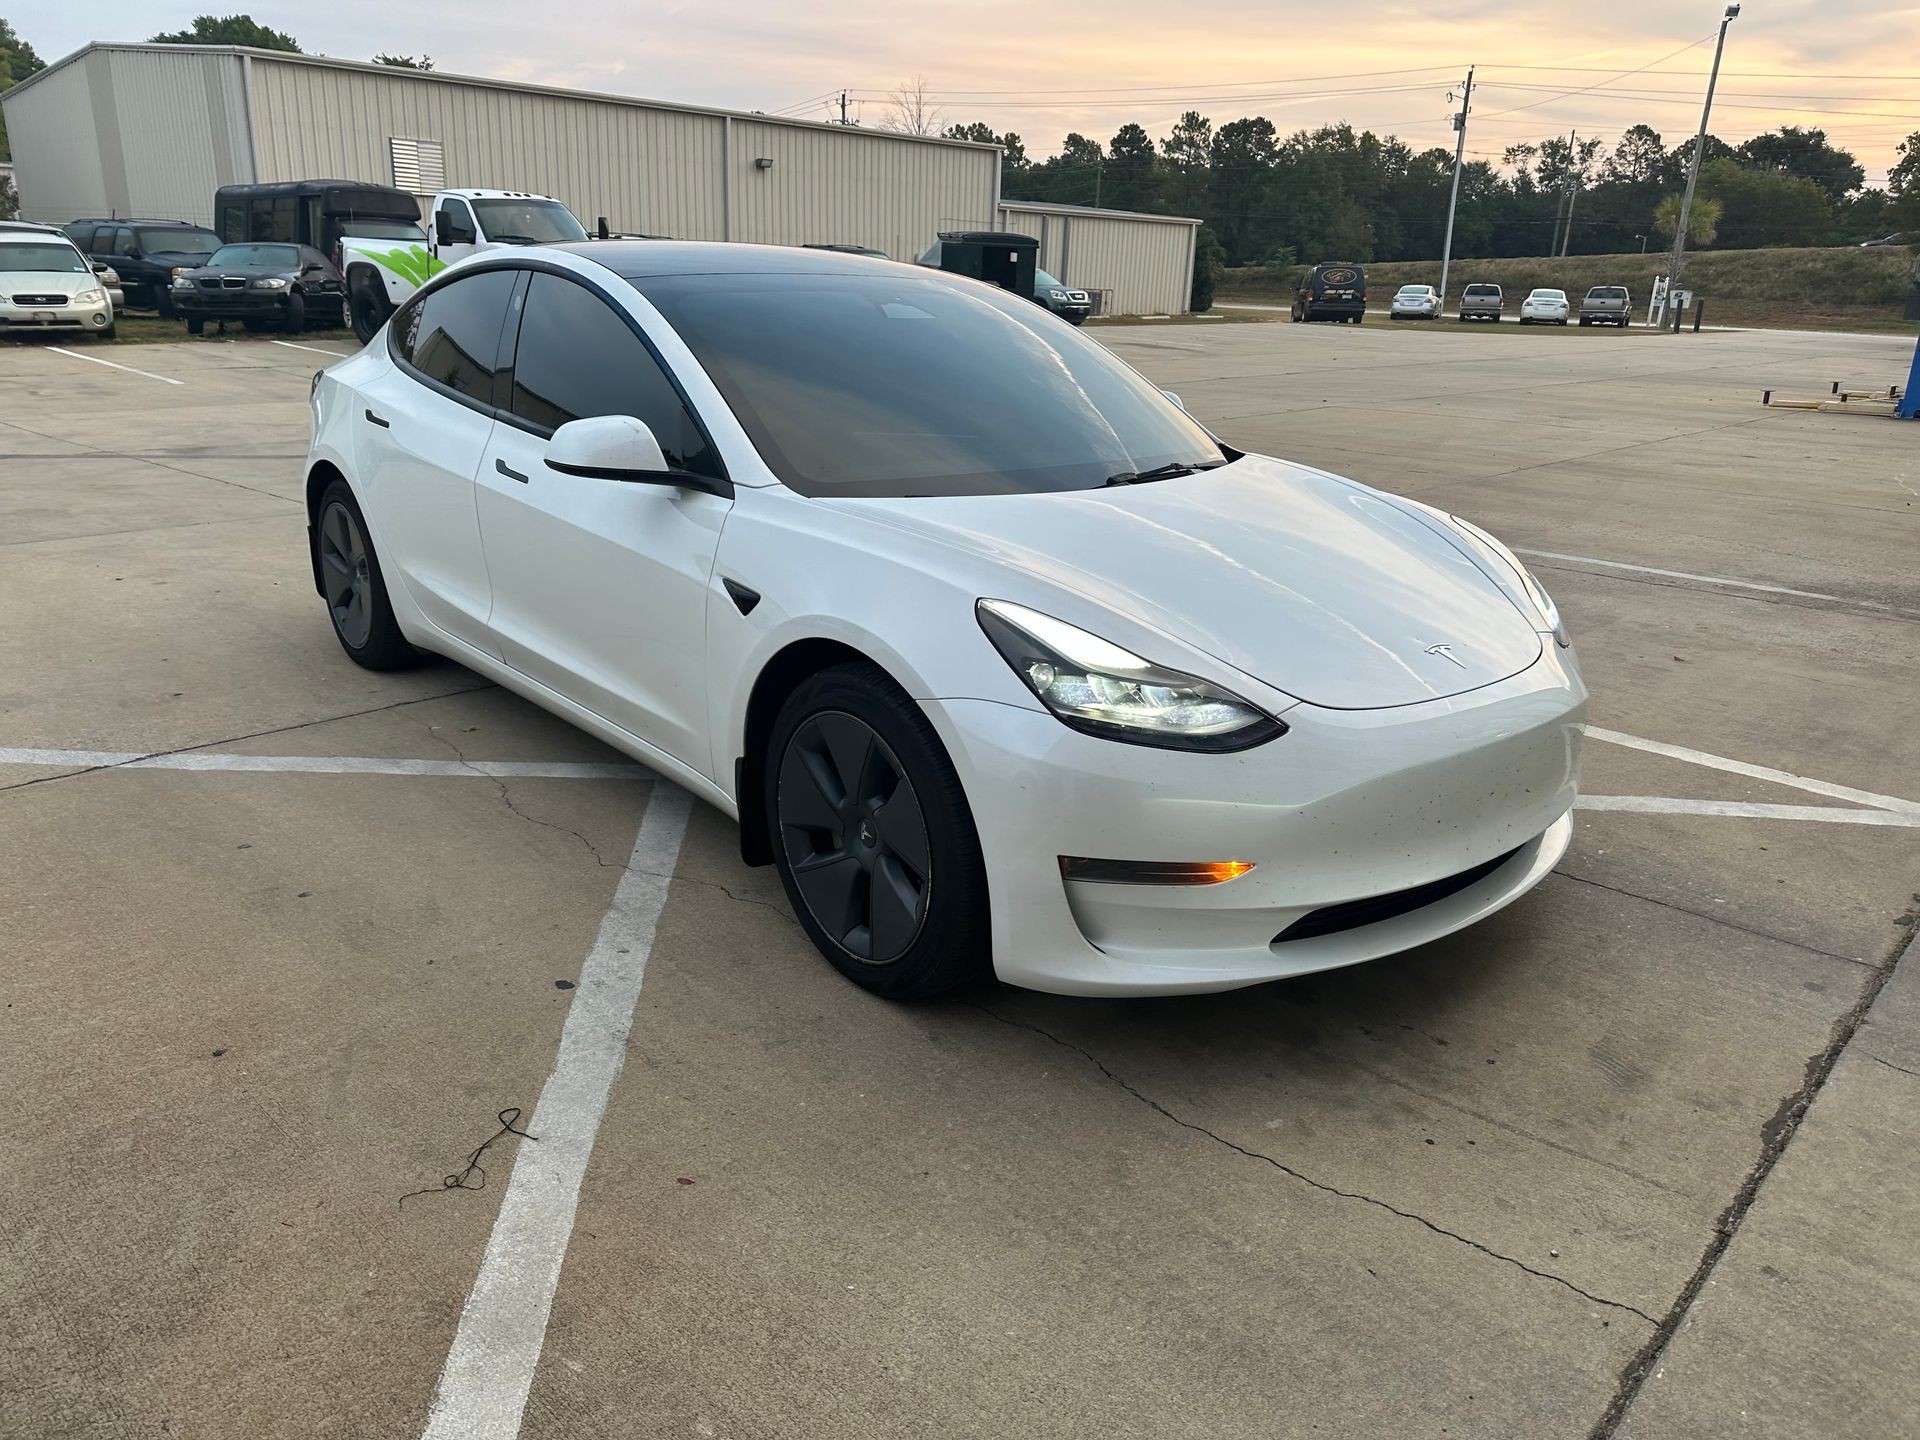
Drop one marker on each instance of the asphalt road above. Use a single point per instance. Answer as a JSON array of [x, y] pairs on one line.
[[1637, 1157]]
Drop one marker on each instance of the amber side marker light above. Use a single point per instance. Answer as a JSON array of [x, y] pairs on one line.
[[1152, 872]]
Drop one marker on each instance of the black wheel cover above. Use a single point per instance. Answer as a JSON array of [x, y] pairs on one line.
[[854, 836], [345, 572]]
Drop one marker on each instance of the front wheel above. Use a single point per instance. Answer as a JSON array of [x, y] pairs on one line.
[[296, 316], [873, 837], [368, 308], [196, 326]]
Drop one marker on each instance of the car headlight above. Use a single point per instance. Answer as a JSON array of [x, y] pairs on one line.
[[90, 297], [182, 282], [1097, 687], [1058, 294], [1536, 593], [271, 282]]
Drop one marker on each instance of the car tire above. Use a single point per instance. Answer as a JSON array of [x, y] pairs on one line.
[[863, 805], [369, 310], [354, 587], [112, 332], [296, 316], [196, 326]]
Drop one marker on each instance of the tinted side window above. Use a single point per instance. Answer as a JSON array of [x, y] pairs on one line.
[[453, 334], [81, 235], [232, 224], [123, 241], [577, 358]]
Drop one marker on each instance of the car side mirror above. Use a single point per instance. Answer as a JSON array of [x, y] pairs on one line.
[[447, 232], [620, 447]]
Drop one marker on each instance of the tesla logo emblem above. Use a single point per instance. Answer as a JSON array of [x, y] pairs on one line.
[[1446, 653]]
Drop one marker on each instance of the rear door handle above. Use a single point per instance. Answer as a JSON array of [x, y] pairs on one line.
[[509, 472], [378, 421]]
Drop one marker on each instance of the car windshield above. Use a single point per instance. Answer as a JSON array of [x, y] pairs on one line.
[[17, 258], [918, 385], [527, 222], [1483, 289], [1549, 294], [381, 229], [285, 257], [179, 241], [1041, 277], [1607, 292], [1414, 290]]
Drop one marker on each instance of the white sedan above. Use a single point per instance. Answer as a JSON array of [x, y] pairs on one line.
[[1415, 302], [1006, 663], [1544, 307]]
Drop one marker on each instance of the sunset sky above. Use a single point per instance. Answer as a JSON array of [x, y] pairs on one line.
[[1851, 67]]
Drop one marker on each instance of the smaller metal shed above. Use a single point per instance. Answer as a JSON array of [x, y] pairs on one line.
[[1143, 262]]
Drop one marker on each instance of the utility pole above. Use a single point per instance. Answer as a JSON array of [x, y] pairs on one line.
[[1453, 201], [843, 107], [1693, 167], [1572, 187]]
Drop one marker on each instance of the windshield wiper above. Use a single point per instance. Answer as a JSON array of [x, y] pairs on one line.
[[1171, 470]]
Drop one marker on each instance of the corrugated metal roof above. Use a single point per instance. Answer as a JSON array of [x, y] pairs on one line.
[[285, 57]]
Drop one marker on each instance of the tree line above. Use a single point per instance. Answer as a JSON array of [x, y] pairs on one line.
[[1330, 192]]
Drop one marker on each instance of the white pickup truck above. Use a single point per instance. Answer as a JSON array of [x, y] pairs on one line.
[[381, 274]]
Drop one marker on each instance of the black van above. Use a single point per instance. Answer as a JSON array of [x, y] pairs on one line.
[[316, 213], [1333, 290]]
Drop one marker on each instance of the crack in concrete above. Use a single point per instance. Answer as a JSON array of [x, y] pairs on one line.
[[1775, 1135], [506, 798], [1891, 1066], [1304, 1178], [1717, 920], [251, 735]]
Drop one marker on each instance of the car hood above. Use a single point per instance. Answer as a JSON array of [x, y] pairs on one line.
[[47, 282], [250, 272], [1321, 588]]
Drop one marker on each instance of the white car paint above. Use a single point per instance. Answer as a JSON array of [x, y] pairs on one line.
[[1433, 709], [1544, 307]]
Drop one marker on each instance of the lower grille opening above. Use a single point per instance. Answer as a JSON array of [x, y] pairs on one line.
[[1352, 914]]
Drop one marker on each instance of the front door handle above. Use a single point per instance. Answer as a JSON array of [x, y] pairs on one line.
[[378, 421], [509, 472]]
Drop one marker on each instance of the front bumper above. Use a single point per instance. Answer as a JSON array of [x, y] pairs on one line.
[[1347, 806], [87, 318], [231, 304]]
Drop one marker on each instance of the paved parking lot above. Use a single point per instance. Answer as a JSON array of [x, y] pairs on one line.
[[1635, 1157]]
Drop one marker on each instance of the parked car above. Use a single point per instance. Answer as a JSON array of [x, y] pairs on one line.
[[1904, 237], [1415, 302], [147, 253], [1069, 304], [1333, 290], [46, 284], [1482, 301], [1607, 305], [1080, 697], [110, 282], [290, 286], [1544, 307]]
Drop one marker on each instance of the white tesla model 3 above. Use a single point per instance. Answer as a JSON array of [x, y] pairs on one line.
[[1006, 663]]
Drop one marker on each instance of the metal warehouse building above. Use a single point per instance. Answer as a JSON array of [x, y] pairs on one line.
[[151, 131]]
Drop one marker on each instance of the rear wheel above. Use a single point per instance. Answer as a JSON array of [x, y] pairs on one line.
[[873, 837], [355, 590]]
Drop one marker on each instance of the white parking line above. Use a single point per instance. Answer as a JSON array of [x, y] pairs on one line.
[[114, 365], [1703, 579], [337, 354], [1740, 809], [483, 1386], [328, 765], [1755, 772]]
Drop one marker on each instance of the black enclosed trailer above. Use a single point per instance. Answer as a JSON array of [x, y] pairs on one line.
[[315, 212], [996, 256]]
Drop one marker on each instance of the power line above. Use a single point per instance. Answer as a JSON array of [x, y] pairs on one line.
[[1102, 104], [1184, 89], [1597, 84]]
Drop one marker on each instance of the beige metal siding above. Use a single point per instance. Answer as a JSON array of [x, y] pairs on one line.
[[1147, 263], [855, 187], [129, 132], [656, 171]]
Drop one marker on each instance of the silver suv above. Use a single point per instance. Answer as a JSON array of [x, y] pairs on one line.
[[1481, 302]]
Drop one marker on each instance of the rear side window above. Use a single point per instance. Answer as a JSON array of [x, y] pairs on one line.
[[451, 335], [578, 358]]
